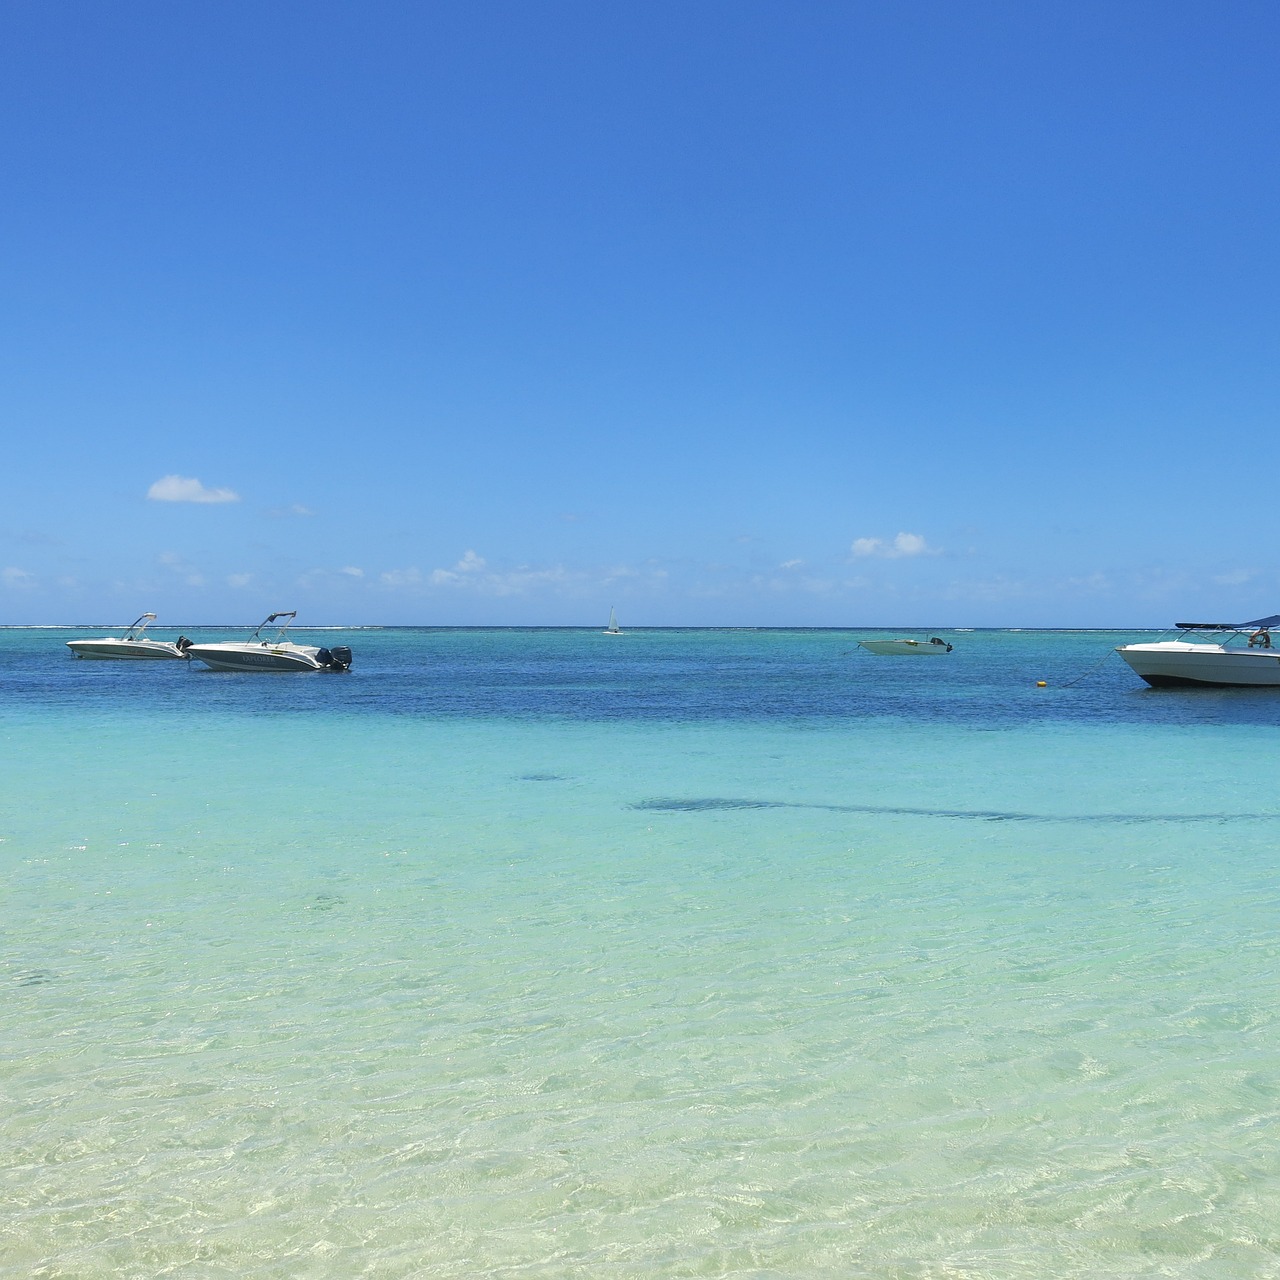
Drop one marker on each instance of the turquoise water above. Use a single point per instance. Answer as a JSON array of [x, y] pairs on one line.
[[544, 953]]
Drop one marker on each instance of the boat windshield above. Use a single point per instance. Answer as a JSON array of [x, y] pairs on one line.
[[139, 626], [266, 622]]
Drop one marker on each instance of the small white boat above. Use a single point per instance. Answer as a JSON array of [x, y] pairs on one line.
[[933, 645], [1244, 657], [133, 644], [613, 629], [274, 654]]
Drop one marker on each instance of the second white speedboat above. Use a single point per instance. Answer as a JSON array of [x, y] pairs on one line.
[[275, 653], [133, 644], [933, 645], [1245, 657]]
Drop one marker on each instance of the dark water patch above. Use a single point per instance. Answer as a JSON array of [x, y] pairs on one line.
[[703, 806], [34, 977], [326, 902], [718, 804], [541, 777]]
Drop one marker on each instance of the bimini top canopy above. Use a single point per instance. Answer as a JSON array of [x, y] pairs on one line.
[[1258, 624]]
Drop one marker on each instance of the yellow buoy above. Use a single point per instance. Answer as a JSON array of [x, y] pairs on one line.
[[1040, 684]]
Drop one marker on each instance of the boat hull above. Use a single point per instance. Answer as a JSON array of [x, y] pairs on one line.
[[244, 657], [130, 650], [919, 648], [1177, 664]]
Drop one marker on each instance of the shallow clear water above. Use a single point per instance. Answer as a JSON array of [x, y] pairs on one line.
[[547, 953]]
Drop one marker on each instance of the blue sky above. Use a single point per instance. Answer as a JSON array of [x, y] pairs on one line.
[[828, 314]]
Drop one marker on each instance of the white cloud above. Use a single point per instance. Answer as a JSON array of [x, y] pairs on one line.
[[525, 579], [905, 544], [17, 578], [1090, 582], [294, 509], [183, 489], [187, 571], [469, 564], [993, 590], [239, 579], [473, 575], [398, 578], [321, 579], [791, 564], [792, 582]]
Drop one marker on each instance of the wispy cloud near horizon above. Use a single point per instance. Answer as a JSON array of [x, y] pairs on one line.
[[905, 544], [176, 564], [473, 574]]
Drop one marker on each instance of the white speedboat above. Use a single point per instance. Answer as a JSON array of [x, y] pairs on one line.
[[933, 645], [1245, 655], [133, 644], [275, 653]]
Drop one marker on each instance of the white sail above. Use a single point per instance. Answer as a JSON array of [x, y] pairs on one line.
[[612, 628]]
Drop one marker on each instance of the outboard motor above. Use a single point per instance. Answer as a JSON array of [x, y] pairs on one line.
[[336, 659]]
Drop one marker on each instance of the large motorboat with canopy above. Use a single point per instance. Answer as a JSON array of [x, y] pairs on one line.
[[272, 653], [133, 644], [1213, 653]]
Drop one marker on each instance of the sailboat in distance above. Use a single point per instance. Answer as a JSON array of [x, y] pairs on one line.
[[612, 629]]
